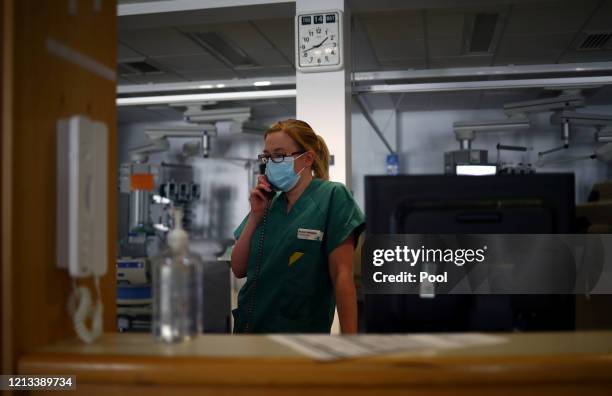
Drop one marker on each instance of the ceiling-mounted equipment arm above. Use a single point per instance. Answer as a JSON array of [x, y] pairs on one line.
[[465, 131], [602, 153], [141, 154], [201, 131], [568, 118]]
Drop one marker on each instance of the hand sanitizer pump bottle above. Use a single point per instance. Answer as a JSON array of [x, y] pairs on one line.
[[177, 288]]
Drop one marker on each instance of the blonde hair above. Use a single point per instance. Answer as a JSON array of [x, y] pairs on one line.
[[307, 139]]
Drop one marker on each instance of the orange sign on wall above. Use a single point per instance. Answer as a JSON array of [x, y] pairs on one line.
[[142, 181]]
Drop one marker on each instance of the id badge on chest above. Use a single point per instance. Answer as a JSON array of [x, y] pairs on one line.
[[310, 235]]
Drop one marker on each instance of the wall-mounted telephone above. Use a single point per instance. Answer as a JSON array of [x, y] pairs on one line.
[[82, 155]]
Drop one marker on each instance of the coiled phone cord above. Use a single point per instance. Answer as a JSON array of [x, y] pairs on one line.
[[85, 310], [258, 262]]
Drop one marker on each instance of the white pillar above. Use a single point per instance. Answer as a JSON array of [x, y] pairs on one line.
[[324, 98], [324, 101]]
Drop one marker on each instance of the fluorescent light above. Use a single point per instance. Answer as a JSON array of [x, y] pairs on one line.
[[205, 86], [220, 85], [556, 83], [161, 200], [161, 227], [476, 170], [202, 97], [262, 83]]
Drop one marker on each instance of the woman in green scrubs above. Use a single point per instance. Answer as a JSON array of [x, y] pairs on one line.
[[296, 245]]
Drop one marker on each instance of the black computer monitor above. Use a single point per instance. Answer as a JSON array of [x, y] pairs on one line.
[[449, 204]]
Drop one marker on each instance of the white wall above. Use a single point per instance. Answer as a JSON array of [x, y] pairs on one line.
[[424, 136]]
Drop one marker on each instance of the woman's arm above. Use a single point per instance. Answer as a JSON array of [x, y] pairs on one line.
[[259, 202], [242, 248], [341, 272]]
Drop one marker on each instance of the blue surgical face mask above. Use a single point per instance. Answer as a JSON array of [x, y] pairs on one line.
[[282, 175]]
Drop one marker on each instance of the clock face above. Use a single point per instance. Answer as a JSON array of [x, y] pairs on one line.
[[318, 41]]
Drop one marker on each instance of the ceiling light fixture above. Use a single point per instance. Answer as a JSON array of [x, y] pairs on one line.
[[262, 83], [217, 96]]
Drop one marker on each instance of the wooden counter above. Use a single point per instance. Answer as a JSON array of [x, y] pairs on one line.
[[542, 363]]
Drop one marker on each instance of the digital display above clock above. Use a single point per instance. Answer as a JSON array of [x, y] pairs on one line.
[[318, 19]]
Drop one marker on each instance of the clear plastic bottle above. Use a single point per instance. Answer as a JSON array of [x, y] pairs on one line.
[[177, 288], [392, 164]]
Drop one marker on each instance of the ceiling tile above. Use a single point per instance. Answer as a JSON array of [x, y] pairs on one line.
[[160, 42], [363, 54], [398, 49], [395, 36], [246, 37], [268, 57], [602, 19], [126, 54], [156, 78], [537, 48], [401, 24], [444, 25], [548, 17], [280, 32], [444, 47], [124, 81], [587, 56], [190, 63]]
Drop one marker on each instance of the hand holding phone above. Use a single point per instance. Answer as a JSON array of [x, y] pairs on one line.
[[266, 187], [260, 196], [272, 192]]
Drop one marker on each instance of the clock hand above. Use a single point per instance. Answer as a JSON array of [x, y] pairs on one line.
[[321, 43], [318, 45]]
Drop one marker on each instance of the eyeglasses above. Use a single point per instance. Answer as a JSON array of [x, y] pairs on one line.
[[276, 158]]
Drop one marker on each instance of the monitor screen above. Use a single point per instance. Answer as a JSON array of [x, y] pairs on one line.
[[475, 170], [451, 204]]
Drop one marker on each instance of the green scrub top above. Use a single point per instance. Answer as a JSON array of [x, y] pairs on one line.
[[294, 292]]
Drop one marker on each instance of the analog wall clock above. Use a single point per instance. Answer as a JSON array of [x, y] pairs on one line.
[[319, 41]]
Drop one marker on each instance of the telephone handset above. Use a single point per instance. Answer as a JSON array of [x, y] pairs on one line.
[[268, 194], [271, 194]]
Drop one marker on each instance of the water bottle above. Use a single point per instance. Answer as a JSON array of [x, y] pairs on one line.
[[177, 288], [392, 164]]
